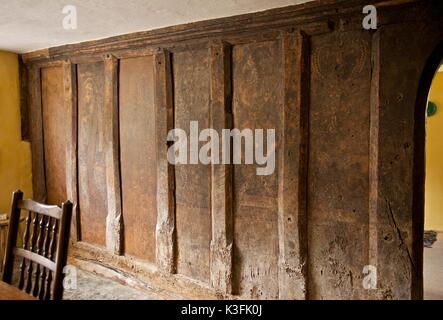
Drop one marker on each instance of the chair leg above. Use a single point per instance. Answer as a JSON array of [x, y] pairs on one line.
[[14, 219]]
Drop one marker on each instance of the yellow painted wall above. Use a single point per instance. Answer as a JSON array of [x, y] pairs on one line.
[[434, 159], [15, 154]]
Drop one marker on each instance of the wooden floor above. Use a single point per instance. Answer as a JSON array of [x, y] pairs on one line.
[[433, 270]]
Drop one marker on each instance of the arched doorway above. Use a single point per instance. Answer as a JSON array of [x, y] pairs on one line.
[[428, 175], [433, 223]]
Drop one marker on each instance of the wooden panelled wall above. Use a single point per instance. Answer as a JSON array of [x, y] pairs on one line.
[[342, 101]]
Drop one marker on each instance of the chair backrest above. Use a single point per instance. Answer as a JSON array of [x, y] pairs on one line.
[[45, 247]]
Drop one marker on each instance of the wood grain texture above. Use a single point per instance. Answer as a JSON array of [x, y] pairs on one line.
[[8, 292], [401, 134], [36, 131], [257, 104], [54, 133], [24, 99], [61, 254], [138, 156], [50, 210], [374, 192], [193, 181], [14, 221], [70, 106], [45, 247], [364, 166], [92, 153], [338, 165], [34, 257], [221, 174], [164, 119], [114, 220], [293, 168]]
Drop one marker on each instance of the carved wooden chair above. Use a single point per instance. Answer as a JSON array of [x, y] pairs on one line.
[[45, 247]]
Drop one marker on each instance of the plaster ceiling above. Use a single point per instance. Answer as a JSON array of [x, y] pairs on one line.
[[28, 25]]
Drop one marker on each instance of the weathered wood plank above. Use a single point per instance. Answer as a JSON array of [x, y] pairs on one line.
[[70, 106], [36, 131], [164, 117], [293, 168], [221, 174], [363, 201], [24, 104], [257, 74], [374, 192], [402, 98], [114, 221], [54, 133], [338, 172], [191, 74], [138, 156], [92, 146]]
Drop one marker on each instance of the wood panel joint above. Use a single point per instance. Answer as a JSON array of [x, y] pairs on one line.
[[221, 174], [292, 221], [71, 107], [164, 119], [374, 161], [36, 132], [24, 103], [114, 218]]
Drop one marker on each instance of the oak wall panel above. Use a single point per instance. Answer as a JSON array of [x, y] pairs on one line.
[[138, 156], [347, 191], [54, 133], [339, 165], [193, 185], [91, 153], [257, 76]]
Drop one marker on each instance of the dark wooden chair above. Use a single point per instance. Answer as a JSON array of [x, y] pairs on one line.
[[45, 247]]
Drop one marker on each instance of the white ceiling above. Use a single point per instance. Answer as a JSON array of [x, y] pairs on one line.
[[28, 25]]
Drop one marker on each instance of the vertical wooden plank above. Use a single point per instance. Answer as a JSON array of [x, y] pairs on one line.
[[257, 103], [338, 184], [138, 157], [70, 105], [164, 117], [221, 174], [399, 118], [374, 156], [92, 147], [24, 107], [36, 131], [54, 133], [114, 223], [192, 95], [293, 169]]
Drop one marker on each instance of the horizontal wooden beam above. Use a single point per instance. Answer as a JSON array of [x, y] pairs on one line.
[[312, 17]]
